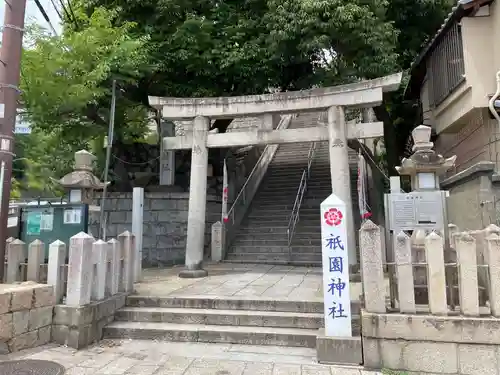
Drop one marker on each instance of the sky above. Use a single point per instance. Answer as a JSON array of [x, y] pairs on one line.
[[34, 15]]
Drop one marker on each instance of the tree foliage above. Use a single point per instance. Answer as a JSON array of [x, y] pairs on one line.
[[66, 89], [211, 48]]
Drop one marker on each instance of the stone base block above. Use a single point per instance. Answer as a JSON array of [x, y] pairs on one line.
[[80, 326], [336, 350], [192, 274], [26, 311], [427, 344]]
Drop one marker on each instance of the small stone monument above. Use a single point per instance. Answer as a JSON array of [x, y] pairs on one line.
[[81, 183], [424, 165]]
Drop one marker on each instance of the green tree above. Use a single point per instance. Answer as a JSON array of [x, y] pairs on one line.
[[66, 88], [417, 22], [204, 48]]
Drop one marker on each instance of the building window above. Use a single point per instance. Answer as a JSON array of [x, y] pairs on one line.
[[446, 65]]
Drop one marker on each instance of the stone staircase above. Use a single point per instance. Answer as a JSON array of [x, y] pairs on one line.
[[221, 320], [262, 236]]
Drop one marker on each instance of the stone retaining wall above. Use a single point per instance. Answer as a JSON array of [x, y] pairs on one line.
[[25, 316], [80, 326], [430, 344], [165, 224]]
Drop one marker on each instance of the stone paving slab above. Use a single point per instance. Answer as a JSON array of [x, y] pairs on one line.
[[242, 281], [136, 357]]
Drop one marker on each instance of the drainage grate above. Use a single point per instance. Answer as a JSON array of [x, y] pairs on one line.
[[31, 367]]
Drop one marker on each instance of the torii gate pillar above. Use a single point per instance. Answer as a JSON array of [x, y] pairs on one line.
[[197, 201], [339, 171]]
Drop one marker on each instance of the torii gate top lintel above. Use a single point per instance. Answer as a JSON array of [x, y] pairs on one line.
[[360, 94]]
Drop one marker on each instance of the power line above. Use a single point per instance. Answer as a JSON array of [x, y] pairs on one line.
[[45, 15], [56, 9]]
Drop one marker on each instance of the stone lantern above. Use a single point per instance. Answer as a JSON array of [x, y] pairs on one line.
[[81, 183], [424, 166]]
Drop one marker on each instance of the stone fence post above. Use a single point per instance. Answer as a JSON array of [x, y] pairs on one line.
[[116, 261], [404, 271], [467, 275], [55, 274], [436, 280], [36, 256], [100, 256], [15, 256], [127, 245], [80, 270], [493, 249], [372, 267], [217, 242]]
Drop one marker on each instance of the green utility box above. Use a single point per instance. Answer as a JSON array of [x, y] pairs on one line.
[[51, 222]]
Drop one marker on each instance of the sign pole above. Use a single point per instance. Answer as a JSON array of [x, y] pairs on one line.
[[335, 260]]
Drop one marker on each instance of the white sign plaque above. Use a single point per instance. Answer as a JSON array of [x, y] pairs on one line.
[[334, 248], [416, 210]]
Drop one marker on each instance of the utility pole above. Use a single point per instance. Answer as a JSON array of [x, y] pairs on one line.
[[10, 68], [111, 131]]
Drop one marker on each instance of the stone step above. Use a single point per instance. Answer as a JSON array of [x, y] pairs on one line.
[[280, 183], [302, 228], [284, 216], [306, 204], [277, 250], [264, 211], [250, 257], [274, 240], [269, 201], [274, 262], [221, 317], [287, 169], [227, 303], [214, 334]]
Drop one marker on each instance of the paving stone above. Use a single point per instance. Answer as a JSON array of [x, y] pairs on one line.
[[256, 368], [143, 370], [315, 370], [80, 371], [119, 366], [286, 369], [99, 361], [175, 366], [346, 371]]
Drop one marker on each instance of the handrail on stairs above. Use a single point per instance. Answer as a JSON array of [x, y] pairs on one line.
[[294, 217], [249, 188]]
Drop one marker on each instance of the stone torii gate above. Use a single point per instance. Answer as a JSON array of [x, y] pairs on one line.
[[201, 111]]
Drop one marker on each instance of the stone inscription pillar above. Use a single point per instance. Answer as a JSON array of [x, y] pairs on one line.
[[167, 158], [339, 169], [197, 201]]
